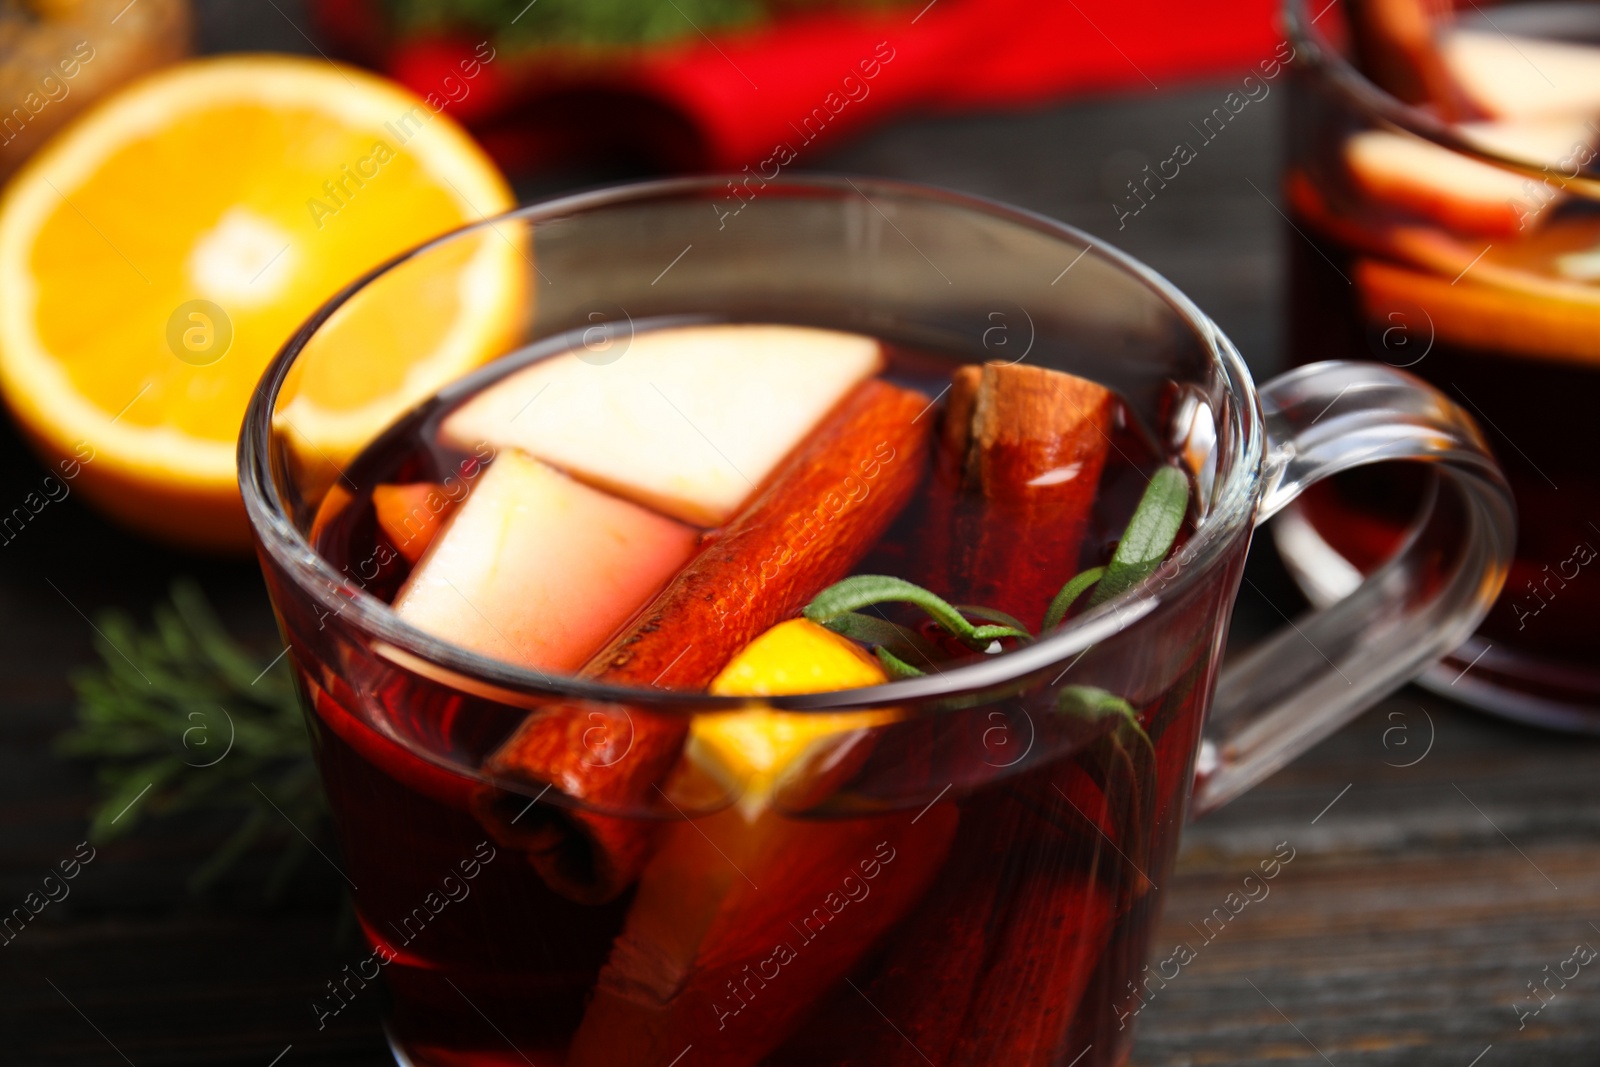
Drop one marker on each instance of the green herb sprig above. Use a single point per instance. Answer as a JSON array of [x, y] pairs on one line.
[[181, 717], [1075, 588], [864, 590], [1145, 542], [1144, 545], [1121, 757], [1087, 702], [1149, 536], [1123, 762]]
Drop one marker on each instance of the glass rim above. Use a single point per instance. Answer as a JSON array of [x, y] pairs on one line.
[[1381, 106], [1236, 481]]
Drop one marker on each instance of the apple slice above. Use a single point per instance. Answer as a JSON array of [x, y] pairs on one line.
[[538, 569], [688, 421], [1523, 77], [1462, 193], [1483, 316]]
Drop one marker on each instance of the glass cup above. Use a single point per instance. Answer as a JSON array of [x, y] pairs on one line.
[[974, 878], [1434, 247]]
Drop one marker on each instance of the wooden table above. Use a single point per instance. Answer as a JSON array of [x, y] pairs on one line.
[[1421, 901]]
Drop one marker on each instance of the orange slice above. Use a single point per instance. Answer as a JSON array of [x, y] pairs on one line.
[[159, 251], [1482, 316], [1534, 297]]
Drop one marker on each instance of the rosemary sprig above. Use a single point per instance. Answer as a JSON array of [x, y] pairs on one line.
[[1075, 588], [897, 667], [1123, 762], [1096, 705], [1149, 536], [902, 642], [1144, 544], [184, 712], [864, 590]]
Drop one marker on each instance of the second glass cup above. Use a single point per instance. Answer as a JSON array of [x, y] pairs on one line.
[[1464, 252]]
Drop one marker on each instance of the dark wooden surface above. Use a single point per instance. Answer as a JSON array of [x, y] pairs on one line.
[[1420, 903]]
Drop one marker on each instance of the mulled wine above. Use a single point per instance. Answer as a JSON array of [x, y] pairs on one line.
[[1451, 229], [757, 511]]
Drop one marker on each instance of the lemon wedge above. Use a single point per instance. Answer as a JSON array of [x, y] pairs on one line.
[[752, 750]]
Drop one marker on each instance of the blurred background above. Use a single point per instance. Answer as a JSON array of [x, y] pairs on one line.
[[1443, 857]]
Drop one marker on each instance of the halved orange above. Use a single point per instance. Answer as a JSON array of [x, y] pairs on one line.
[[161, 248]]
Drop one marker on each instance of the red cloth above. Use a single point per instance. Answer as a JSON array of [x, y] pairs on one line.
[[740, 95]]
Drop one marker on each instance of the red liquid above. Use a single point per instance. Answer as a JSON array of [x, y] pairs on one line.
[[1528, 410], [1531, 401], [984, 879]]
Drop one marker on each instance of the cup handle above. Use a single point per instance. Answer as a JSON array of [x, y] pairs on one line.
[[1303, 683]]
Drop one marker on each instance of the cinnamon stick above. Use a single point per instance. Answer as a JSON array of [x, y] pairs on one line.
[[1029, 444], [992, 965], [1031, 992], [822, 510], [752, 950], [1397, 45]]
